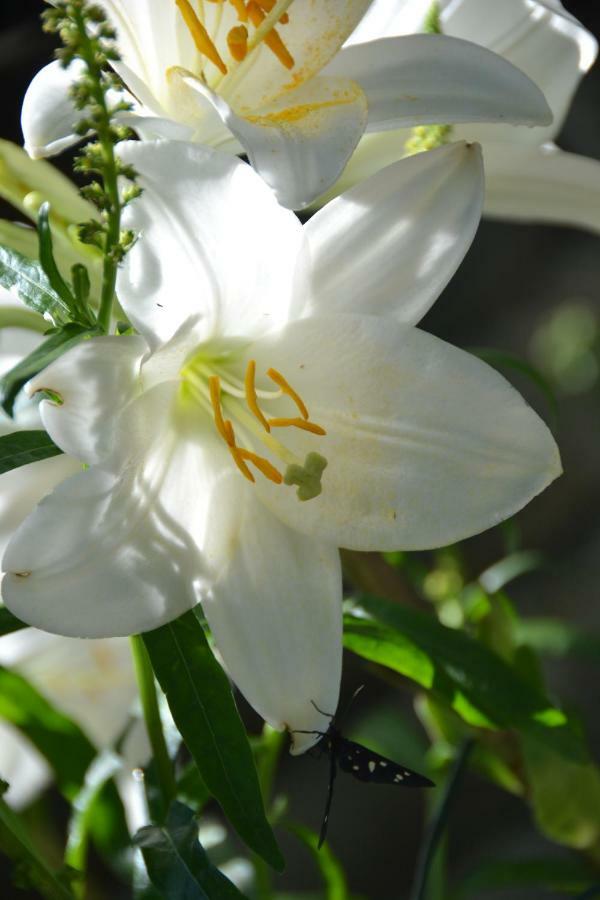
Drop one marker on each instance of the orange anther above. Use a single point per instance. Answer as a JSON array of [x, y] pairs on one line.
[[200, 35], [272, 39], [297, 423], [240, 8], [236, 453], [251, 398], [237, 41], [224, 428], [262, 464], [278, 378], [268, 5]]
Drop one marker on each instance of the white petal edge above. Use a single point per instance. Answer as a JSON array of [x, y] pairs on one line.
[[300, 143], [390, 245], [215, 246], [22, 766], [542, 184], [276, 616], [94, 381], [426, 445], [48, 115], [425, 78]]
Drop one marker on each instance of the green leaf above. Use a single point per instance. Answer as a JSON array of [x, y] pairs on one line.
[[53, 347], [565, 797], [205, 713], [47, 261], [23, 447], [62, 743], [18, 317], [31, 869], [553, 637], [97, 809], [177, 863], [483, 689], [562, 875], [8, 622], [336, 886], [26, 278]]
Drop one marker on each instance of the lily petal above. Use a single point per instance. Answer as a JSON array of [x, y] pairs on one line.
[[202, 257], [112, 553], [390, 245], [94, 381], [276, 616], [426, 445], [430, 78], [542, 184], [48, 115], [300, 143]]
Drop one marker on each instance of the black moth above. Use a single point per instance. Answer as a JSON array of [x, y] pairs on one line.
[[361, 763]]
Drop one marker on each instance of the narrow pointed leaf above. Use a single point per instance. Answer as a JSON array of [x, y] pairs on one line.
[[205, 713], [563, 875], [23, 447], [15, 844], [177, 863], [26, 278], [480, 686]]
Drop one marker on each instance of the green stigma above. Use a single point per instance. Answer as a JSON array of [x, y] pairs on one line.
[[307, 477]]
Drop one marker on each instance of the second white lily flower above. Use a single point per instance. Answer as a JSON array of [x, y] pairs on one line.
[[277, 403]]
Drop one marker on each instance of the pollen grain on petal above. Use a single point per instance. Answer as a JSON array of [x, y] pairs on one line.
[[200, 35]]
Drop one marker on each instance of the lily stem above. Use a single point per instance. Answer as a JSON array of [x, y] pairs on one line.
[[437, 826], [147, 689], [109, 176], [272, 742]]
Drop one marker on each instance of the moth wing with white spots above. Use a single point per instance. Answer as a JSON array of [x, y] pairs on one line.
[[366, 765]]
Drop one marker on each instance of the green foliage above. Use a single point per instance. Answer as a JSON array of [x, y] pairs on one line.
[[30, 870], [482, 688], [552, 637], [562, 875], [204, 711], [26, 277], [177, 863], [8, 622], [565, 797], [54, 346], [334, 879], [23, 447]]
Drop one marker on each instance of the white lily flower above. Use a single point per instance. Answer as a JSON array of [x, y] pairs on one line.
[[91, 681], [222, 74], [278, 403], [527, 176]]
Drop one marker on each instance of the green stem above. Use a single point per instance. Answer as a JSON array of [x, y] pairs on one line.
[[272, 742], [149, 701], [109, 177], [436, 827]]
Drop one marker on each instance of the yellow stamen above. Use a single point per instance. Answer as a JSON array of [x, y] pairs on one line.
[[225, 428], [271, 39], [237, 41], [251, 398], [262, 464], [236, 454], [200, 35], [297, 423], [268, 5], [278, 378], [240, 8]]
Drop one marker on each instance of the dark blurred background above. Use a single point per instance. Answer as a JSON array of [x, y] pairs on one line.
[[533, 291]]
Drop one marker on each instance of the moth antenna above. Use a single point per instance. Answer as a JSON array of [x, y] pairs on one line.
[[351, 701]]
